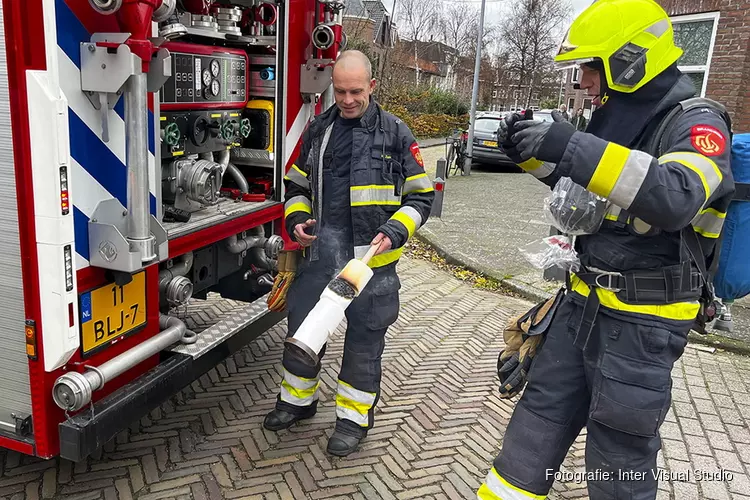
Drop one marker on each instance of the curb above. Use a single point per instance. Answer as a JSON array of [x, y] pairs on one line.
[[536, 295]]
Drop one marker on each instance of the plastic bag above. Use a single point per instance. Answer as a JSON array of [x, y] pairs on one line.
[[574, 210], [552, 251]]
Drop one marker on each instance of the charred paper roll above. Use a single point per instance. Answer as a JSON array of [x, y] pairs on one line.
[[328, 313]]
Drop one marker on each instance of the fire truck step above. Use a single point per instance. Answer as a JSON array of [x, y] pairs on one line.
[[216, 319], [226, 210]]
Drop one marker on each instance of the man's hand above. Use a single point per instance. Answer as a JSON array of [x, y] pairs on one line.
[[383, 241], [544, 141], [304, 239]]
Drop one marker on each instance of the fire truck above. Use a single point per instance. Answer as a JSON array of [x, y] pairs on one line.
[[143, 149]]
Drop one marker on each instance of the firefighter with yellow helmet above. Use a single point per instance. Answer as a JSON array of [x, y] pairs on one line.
[[660, 157]]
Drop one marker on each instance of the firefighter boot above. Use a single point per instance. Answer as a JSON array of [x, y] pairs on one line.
[[279, 419], [345, 439]]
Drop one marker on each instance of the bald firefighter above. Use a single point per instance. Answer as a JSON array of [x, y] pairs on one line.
[[622, 319]]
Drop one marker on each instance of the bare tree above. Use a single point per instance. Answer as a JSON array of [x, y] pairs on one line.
[[419, 20], [531, 34]]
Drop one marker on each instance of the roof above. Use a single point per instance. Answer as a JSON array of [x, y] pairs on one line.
[[377, 14], [356, 8]]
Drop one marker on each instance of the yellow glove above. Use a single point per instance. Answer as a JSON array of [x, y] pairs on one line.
[[287, 269]]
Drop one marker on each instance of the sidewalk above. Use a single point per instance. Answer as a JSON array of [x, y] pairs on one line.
[[488, 216]]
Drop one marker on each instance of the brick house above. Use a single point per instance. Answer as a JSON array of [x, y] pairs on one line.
[[369, 22], [715, 38]]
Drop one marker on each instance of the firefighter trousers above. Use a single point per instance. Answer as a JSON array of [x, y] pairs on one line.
[[618, 387], [358, 386]]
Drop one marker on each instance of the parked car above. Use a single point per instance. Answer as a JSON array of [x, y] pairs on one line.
[[486, 148]]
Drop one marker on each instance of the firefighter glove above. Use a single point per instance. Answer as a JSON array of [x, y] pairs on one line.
[[523, 338], [545, 141], [287, 265], [513, 367]]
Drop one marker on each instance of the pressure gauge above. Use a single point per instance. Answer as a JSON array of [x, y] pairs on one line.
[[215, 68], [215, 87], [206, 77]]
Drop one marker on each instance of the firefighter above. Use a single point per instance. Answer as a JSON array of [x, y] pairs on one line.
[[623, 322], [374, 191]]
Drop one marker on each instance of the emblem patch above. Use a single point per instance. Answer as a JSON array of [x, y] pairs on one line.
[[707, 140], [416, 154]]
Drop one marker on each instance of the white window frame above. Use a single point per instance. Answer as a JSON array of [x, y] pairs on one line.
[[575, 75], [705, 68]]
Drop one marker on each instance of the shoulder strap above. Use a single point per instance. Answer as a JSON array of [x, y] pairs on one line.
[[655, 146]]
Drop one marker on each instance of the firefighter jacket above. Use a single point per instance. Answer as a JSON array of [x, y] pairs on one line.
[[389, 191], [652, 198]]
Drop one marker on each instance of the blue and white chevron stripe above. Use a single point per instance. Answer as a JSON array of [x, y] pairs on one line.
[[98, 167]]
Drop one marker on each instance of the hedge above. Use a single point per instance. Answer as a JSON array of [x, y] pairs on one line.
[[428, 125]]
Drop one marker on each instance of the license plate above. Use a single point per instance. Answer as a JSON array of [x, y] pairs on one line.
[[491, 144], [111, 311]]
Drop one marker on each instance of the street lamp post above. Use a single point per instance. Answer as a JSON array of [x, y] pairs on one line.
[[474, 94]]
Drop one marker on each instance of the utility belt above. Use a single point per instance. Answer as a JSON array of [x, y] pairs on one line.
[[667, 285]]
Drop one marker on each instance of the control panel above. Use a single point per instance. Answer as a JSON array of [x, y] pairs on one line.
[[205, 77], [195, 132]]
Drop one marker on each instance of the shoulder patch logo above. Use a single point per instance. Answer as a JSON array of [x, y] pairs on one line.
[[416, 154], [707, 140]]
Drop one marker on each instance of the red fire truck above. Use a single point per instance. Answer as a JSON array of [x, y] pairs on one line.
[[143, 147]]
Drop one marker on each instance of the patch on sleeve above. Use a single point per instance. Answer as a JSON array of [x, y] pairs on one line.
[[707, 140], [414, 148]]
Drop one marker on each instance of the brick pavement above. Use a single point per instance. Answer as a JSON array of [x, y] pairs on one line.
[[438, 426]]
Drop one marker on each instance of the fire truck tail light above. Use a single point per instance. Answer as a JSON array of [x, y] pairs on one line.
[[31, 340], [68, 268], [64, 201], [71, 315]]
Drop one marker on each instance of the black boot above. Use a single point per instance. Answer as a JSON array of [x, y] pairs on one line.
[[279, 419], [344, 441]]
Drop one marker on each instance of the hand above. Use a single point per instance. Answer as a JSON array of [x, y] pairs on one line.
[[544, 141], [507, 129], [384, 243], [304, 239]]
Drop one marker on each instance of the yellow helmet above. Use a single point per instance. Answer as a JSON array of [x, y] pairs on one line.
[[633, 39]]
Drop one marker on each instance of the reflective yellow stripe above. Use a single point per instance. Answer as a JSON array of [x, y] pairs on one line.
[[531, 164], [386, 258], [353, 404], [298, 391], [608, 170], [419, 183], [295, 167], [381, 260], [374, 195], [612, 213], [708, 223], [298, 177], [709, 173], [297, 207], [537, 168], [495, 487], [410, 218], [678, 311]]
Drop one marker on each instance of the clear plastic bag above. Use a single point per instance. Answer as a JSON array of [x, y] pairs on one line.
[[574, 210], [552, 251]]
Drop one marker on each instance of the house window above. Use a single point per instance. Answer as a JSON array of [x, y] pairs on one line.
[[575, 76], [695, 35], [571, 103], [587, 108]]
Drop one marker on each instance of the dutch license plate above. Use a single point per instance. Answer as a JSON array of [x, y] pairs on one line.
[[491, 144], [111, 311]]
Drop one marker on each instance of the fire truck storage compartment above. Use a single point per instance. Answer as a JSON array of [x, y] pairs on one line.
[[218, 111]]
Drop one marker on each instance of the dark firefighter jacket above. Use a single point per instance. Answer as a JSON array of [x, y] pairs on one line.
[[389, 191], [652, 198]]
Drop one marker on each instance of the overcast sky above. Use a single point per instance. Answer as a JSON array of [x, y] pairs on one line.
[[496, 9]]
